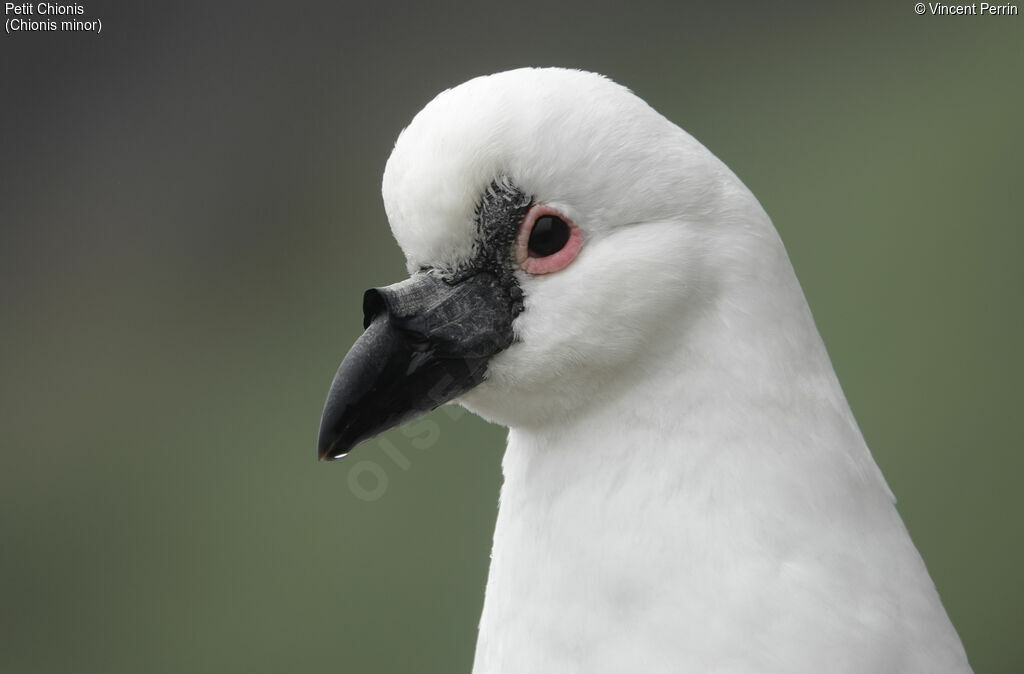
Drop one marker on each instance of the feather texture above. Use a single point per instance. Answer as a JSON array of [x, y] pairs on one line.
[[686, 489]]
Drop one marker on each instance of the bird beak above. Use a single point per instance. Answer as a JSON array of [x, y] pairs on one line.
[[426, 341]]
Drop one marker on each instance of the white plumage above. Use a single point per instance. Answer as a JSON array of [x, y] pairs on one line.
[[686, 489]]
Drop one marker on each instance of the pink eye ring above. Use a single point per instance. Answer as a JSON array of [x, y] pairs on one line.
[[547, 241]]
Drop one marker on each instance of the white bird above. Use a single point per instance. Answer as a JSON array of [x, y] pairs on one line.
[[686, 489]]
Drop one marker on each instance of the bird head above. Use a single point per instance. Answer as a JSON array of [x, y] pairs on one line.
[[556, 230]]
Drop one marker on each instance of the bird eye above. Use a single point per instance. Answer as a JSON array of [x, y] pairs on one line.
[[548, 241], [549, 235]]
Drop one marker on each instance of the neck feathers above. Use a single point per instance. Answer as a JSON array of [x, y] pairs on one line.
[[717, 508]]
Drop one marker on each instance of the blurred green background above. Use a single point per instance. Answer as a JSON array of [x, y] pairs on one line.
[[190, 210]]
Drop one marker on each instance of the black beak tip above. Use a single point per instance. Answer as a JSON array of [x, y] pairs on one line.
[[327, 455], [330, 449]]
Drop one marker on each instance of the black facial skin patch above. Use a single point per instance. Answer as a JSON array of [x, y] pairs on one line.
[[498, 215]]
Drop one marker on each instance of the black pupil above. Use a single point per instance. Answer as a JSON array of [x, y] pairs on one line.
[[548, 236]]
